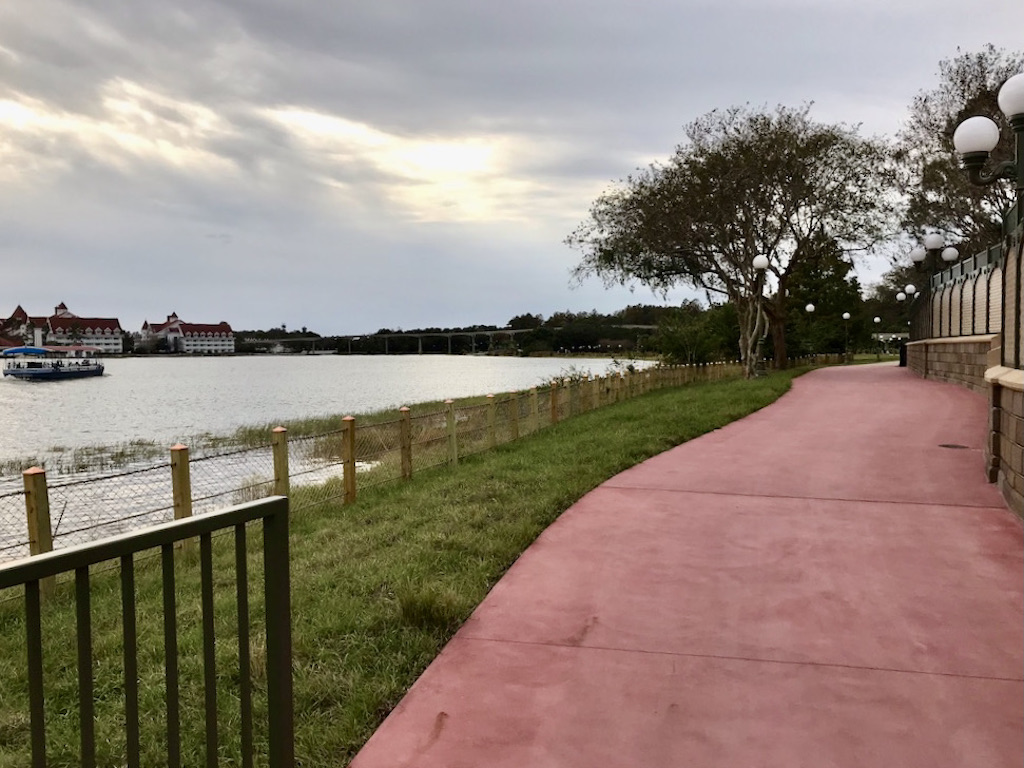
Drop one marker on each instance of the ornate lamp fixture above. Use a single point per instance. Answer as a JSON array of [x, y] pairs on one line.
[[935, 247], [976, 137]]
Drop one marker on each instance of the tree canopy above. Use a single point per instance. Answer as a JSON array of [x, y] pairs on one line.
[[746, 183]]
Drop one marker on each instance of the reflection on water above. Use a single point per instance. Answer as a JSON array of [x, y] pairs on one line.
[[166, 400]]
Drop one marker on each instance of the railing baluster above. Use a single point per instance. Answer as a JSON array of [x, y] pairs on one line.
[[34, 638], [83, 627], [244, 664], [209, 647], [131, 659], [171, 658], [277, 597]]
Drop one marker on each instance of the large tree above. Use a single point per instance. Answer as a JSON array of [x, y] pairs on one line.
[[939, 194], [746, 183]]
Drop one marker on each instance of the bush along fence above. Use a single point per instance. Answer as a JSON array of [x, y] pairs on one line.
[[310, 469]]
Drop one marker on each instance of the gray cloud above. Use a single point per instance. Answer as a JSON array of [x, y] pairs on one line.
[[351, 165]]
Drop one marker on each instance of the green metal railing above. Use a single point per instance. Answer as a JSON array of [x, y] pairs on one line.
[[37, 574]]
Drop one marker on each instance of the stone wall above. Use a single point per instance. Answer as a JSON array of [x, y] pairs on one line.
[[1004, 454], [974, 362], [961, 360]]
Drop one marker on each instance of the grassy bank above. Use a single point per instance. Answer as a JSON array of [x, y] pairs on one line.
[[378, 586]]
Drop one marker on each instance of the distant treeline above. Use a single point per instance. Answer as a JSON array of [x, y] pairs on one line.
[[561, 332], [689, 333]]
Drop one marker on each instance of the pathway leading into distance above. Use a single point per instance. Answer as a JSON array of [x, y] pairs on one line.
[[819, 584]]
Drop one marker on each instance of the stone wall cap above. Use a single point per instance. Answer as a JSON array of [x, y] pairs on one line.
[[1011, 378], [956, 339]]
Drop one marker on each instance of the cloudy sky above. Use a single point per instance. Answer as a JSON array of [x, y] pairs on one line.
[[348, 165]]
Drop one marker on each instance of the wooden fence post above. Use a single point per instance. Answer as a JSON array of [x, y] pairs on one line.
[[453, 447], [513, 415], [348, 457], [534, 410], [279, 444], [181, 487], [492, 428], [37, 511], [181, 482], [405, 441], [554, 402]]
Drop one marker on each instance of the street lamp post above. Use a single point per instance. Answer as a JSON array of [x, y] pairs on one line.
[[846, 337], [760, 264], [809, 309], [907, 294]]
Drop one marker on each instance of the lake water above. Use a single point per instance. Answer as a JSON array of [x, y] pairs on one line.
[[172, 399]]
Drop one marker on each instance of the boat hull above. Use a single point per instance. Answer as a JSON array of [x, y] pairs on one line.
[[54, 374]]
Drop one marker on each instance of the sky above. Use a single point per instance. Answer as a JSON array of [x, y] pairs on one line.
[[348, 165]]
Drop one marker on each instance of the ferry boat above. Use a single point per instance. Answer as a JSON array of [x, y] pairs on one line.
[[51, 363]]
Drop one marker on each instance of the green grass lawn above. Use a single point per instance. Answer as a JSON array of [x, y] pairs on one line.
[[378, 586]]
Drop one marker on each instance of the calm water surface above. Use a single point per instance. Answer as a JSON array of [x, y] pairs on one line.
[[173, 399]]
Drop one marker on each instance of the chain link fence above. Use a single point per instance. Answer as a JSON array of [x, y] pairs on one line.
[[317, 469]]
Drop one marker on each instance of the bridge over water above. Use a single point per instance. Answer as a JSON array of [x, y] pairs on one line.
[[345, 342]]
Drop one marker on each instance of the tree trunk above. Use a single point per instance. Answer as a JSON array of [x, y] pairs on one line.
[[777, 314], [752, 330], [781, 360], [746, 322]]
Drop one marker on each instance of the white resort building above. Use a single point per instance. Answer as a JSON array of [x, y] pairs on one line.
[[63, 328], [190, 338]]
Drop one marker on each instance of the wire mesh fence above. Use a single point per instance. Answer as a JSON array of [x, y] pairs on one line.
[[429, 440], [315, 469], [13, 541], [93, 508], [378, 448], [230, 478]]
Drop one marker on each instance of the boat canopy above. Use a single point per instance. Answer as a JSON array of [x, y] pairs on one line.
[[69, 351], [76, 348]]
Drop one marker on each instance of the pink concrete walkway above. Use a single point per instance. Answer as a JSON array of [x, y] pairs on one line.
[[820, 584]]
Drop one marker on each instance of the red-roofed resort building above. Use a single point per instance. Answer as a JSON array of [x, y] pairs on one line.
[[191, 338], [62, 328]]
